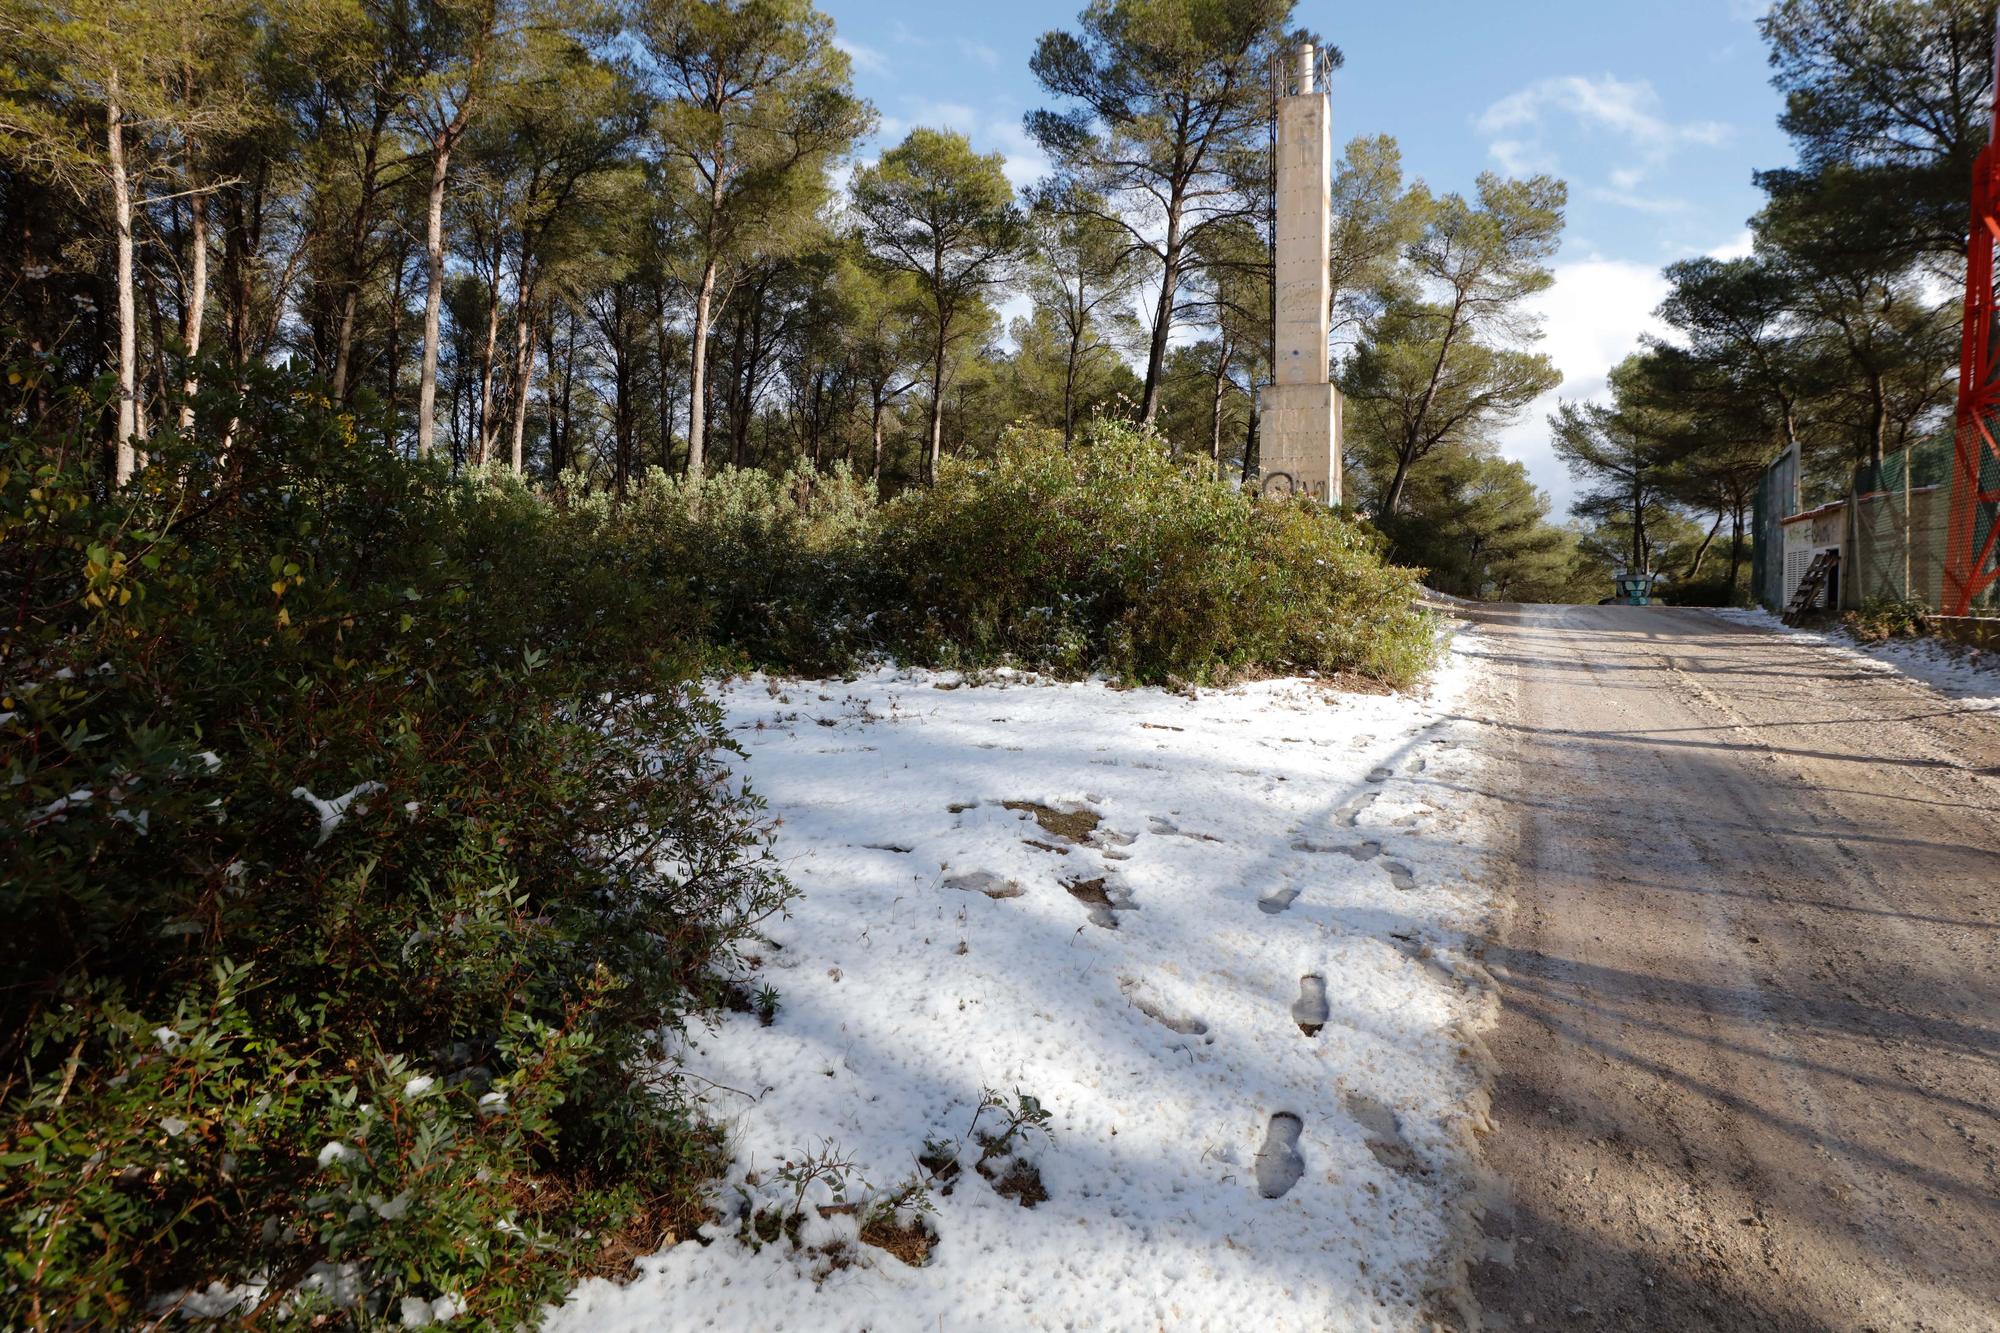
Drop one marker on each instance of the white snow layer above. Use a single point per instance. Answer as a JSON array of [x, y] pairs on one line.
[[1967, 674], [1250, 839]]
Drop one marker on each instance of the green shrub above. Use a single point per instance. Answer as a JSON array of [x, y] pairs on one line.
[[398, 1048], [1889, 618], [775, 568], [1109, 556], [1114, 556], [1333, 603]]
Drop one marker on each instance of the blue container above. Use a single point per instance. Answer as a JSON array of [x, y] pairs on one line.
[[1634, 589]]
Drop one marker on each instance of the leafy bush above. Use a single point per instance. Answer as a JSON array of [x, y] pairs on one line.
[[1107, 556], [363, 832], [776, 570], [1114, 556], [1889, 618]]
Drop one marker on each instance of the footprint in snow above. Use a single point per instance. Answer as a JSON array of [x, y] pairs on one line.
[[1184, 1024], [1351, 816], [1279, 1165], [1310, 1011], [1360, 851], [986, 882], [1400, 875], [1417, 765], [1384, 1134], [1278, 900], [1167, 828], [1379, 774]]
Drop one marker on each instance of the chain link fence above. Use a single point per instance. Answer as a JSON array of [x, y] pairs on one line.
[[1902, 511], [1894, 529]]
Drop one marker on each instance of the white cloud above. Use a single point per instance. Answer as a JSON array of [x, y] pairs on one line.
[[979, 52], [1520, 158], [865, 59], [1639, 202], [1594, 315], [931, 114], [990, 132], [1627, 109], [1523, 128], [1742, 246]]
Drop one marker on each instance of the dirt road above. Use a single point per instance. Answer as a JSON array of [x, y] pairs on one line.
[[1749, 1059]]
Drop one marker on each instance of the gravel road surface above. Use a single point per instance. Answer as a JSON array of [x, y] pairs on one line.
[[1749, 1053]]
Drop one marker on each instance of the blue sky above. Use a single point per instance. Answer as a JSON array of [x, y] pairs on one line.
[[1656, 115]]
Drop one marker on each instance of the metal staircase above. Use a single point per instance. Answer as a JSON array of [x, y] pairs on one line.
[[1806, 596]]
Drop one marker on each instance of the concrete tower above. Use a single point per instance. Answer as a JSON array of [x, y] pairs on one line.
[[1299, 446]]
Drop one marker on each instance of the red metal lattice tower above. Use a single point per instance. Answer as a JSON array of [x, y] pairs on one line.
[[1972, 563]]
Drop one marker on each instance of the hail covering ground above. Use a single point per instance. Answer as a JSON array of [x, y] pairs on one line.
[[1969, 675], [1221, 938]]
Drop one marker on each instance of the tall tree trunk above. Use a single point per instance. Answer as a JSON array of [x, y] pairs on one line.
[[875, 433], [1393, 498], [704, 300], [1163, 315], [343, 348], [197, 300], [735, 393], [434, 293], [1412, 443], [1701, 552], [937, 415], [488, 430], [357, 261], [395, 368], [235, 275], [1069, 381], [1638, 527], [663, 354], [818, 402], [242, 236], [1878, 422], [559, 403], [1217, 390], [129, 428], [524, 372], [1253, 446], [1735, 548], [149, 289], [621, 376]]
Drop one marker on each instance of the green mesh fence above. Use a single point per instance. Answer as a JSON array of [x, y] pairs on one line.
[[1902, 526], [1929, 462]]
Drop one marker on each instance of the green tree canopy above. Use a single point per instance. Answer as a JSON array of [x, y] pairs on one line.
[[1164, 128], [945, 215]]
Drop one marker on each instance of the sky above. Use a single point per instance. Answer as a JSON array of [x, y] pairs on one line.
[[1656, 115]]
